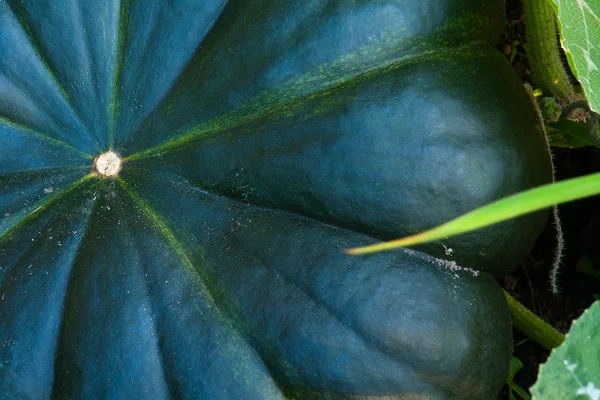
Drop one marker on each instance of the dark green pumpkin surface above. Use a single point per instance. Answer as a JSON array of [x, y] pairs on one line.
[[259, 139]]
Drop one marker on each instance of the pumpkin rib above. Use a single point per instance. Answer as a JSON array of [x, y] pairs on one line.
[[275, 100], [56, 170], [308, 262], [58, 382], [37, 265], [8, 267], [346, 165], [157, 56], [49, 69], [230, 318], [447, 27], [161, 225], [113, 113], [231, 198], [154, 31], [310, 295], [221, 315], [173, 392], [295, 370], [95, 84], [31, 190], [424, 376], [186, 186], [42, 206], [29, 130]]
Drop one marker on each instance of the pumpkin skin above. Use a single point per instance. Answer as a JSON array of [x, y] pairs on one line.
[[259, 139]]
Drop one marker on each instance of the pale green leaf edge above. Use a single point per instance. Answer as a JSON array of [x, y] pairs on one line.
[[559, 376], [579, 26]]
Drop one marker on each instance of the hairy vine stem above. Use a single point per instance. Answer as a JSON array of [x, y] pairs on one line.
[[560, 241]]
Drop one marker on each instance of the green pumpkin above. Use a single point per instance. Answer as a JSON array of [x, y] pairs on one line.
[[179, 179]]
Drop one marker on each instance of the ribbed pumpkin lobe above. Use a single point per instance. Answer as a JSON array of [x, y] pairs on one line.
[[107, 164]]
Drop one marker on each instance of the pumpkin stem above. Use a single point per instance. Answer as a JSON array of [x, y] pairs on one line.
[[532, 326], [107, 164], [544, 51]]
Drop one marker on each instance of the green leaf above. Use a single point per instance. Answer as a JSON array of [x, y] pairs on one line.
[[579, 23], [573, 369], [498, 211], [570, 134]]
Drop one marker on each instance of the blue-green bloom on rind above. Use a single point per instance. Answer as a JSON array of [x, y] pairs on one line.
[[179, 179]]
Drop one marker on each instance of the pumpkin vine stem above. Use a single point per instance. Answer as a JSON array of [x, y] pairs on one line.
[[532, 325], [560, 241], [544, 51]]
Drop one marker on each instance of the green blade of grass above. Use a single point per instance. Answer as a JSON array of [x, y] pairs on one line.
[[498, 211]]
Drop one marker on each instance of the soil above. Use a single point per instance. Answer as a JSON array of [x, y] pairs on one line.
[[579, 282]]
